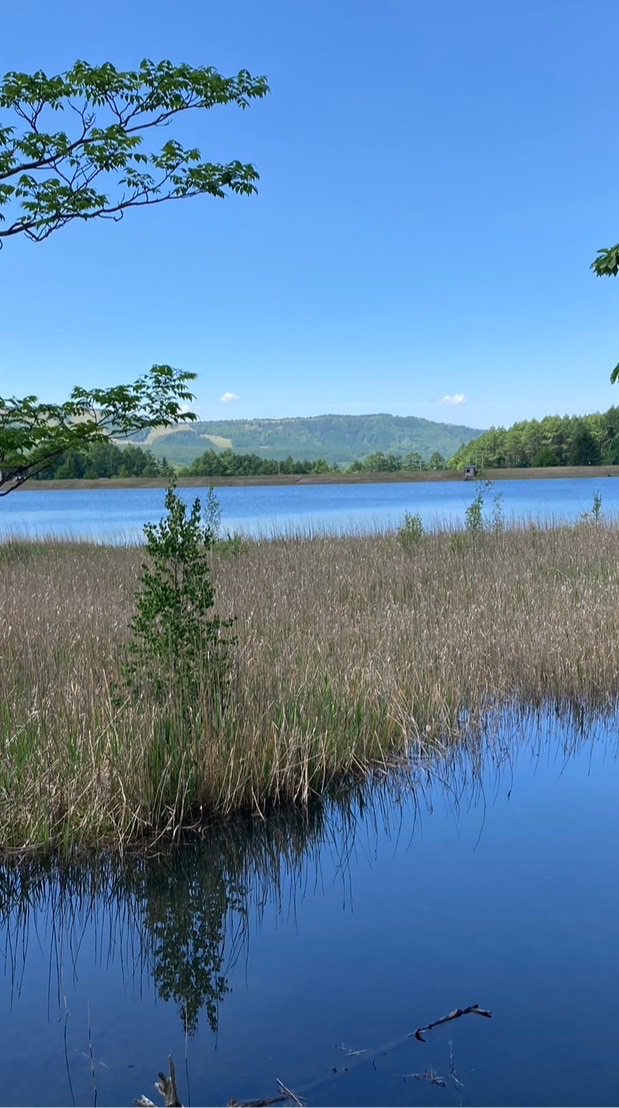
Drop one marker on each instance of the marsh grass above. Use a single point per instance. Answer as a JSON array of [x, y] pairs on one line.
[[351, 652]]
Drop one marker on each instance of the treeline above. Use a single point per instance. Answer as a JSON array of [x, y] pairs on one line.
[[105, 459], [226, 463], [553, 441]]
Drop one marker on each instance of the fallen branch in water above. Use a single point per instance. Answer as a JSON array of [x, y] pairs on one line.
[[428, 1075], [473, 1009], [291, 1096], [166, 1087], [452, 1068], [261, 1102], [265, 1102]]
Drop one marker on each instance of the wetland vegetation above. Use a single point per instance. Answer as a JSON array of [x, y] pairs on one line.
[[351, 653], [308, 946]]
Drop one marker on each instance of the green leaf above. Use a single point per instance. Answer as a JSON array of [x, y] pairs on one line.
[[113, 113]]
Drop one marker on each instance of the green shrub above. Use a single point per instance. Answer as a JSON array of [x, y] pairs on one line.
[[497, 521], [232, 545], [412, 530], [545, 457], [459, 541], [595, 515], [178, 647], [474, 514]]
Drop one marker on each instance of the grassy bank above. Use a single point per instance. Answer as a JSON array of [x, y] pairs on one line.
[[349, 650], [417, 477]]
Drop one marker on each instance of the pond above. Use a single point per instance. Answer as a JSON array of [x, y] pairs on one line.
[[308, 949], [118, 515]]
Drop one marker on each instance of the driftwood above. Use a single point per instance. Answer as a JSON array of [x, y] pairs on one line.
[[166, 1087], [261, 1102], [291, 1096], [452, 1068], [428, 1075], [284, 1097], [473, 1009]]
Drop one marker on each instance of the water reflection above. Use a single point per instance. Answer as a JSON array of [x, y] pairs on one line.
[[355, 923], [182, 919]]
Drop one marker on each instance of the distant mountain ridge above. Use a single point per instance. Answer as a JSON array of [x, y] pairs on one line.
[[340, 439]]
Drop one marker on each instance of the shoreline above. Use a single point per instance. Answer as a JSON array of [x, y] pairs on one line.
[[348, 655], [547, 473]]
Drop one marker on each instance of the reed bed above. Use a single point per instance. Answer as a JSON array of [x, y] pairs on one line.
[[352, 653]]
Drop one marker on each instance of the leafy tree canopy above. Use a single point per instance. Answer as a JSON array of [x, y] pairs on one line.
[[34, 434], [106, 459], [96, 163], [606, 264], [555, 440], [98, 166]]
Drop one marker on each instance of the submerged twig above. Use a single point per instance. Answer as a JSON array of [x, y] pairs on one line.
[[92, 1061], [166, 1087], [350, 1053], [265, 1101], [292, 1096], [428, 1075], [452, 1068], [473, 1009], [261, 1102]]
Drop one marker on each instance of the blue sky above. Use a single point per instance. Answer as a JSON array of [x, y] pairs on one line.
[[436, 178]]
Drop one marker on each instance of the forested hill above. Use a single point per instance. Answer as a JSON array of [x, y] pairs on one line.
[[552, 441], [339, 439]]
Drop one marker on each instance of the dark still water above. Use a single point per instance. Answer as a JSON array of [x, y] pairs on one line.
[[119, 514], [294, 950]]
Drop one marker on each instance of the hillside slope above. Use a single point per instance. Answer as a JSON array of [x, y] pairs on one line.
[[336, 438]]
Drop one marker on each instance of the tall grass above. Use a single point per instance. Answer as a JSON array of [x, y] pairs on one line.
[[350, 650]]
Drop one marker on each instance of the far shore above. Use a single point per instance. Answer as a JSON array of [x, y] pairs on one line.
[[329, 478]]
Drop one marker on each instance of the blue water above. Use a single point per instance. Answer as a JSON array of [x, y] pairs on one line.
[[275, 952], [120, 514]]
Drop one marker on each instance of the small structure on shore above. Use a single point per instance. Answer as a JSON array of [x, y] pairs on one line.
[[470, 471]]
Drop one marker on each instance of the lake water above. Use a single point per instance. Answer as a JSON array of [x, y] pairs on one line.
[[307, 951], [120, 514]]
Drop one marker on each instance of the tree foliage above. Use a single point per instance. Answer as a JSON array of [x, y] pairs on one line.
[[554, 440], [228, 463], [97, 164], [178, 647], [106, 459], [341, 439], [34, 434], [606, 264]]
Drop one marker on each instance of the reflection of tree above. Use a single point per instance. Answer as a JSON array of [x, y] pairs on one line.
[[185, 907], [183, 917]]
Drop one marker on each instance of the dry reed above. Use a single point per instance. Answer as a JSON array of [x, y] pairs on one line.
[[350, 649]]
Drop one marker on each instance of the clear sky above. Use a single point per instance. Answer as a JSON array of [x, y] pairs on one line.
[[436, 177]]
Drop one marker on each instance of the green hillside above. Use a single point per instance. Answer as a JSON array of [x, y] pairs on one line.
[[340, 439]]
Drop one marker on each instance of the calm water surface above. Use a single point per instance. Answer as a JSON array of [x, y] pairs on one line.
[[277, 950], [309, 950], [120, 514]]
